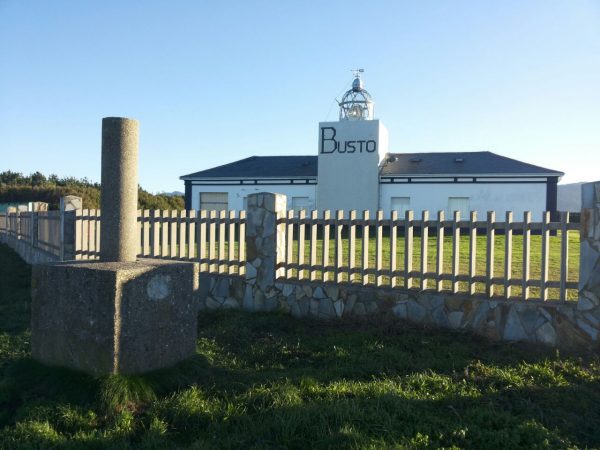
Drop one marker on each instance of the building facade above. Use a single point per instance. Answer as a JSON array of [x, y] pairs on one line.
[[354, 170]]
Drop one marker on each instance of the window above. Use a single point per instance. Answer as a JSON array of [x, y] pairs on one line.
[[401, 204], [300, 203], [461, 204], [214, 201]]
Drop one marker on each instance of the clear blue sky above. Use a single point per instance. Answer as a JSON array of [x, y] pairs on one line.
[[216, 81]]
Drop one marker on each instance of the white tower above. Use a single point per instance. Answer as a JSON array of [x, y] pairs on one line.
[[349, 154]]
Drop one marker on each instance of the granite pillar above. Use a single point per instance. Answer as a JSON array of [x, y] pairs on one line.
[[117, 315], [118, 201]]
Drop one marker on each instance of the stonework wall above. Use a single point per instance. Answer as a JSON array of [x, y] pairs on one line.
[[555, 324], [573, 324]]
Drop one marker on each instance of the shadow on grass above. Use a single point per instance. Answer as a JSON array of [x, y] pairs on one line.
[[271, 381]]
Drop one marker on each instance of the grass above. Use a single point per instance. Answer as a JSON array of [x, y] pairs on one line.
[[268, 381], [554, 258]]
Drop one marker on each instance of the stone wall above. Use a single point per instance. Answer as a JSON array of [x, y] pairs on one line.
[[556, 324], [572, 324]]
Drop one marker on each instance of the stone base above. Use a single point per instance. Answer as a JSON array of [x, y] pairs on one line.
[[108, 318]]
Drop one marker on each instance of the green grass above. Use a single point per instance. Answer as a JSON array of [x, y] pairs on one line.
[[554, 259], [268, 381]]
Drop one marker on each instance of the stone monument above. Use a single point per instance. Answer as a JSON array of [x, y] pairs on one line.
[[119, 314]]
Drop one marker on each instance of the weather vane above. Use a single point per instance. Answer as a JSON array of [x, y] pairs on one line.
[[357, 72]]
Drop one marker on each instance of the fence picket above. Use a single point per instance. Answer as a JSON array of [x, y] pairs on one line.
[[78, 232], [526, 254], [393, 247], [379, 248], [564, 255], [98, 235], [489, 270], [408, 249], [313, 245], [85, 235], [155, 223], [173, 227], [455, 250], [182, 243], [212, 239], [351, 246], [289, 251], [326, 228], [242, 244], [231, 243], [164, 234], [424, 248], [339, 246], [508, 235], [191, 229], [146, 232], [301, 242], [201, 227], [545, 255], [439, 266], [222, 241], [472, 252], [365, 247]]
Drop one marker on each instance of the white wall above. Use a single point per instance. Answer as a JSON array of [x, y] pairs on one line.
[[238, 192], [349, 177], [499, 197]]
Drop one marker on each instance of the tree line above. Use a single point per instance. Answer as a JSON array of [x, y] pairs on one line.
[[37, 187]]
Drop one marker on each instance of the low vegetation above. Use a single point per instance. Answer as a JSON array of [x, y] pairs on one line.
[[18, 188], [268, 381]]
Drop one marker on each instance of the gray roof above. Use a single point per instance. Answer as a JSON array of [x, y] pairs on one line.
[[262, 167], [458, 163], [395, 164]]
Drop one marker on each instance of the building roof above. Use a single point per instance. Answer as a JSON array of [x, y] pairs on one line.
[[395, 164], [458, 163], [262, 167]]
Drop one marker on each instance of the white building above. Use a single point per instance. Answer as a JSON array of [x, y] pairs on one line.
[[355, 170]]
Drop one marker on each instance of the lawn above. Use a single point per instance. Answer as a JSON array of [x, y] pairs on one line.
[[269, 381], [554, 258]]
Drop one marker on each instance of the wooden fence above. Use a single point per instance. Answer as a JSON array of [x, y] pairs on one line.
[[215, 239], [468, 256], [518, 260], [40, 229]]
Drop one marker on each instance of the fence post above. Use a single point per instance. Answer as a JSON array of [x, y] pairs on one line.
[[68, 230], [265, 246], [34, 229], [589, 266]]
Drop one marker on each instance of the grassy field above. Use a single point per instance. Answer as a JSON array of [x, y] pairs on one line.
[[267, 381], [554, 258], [499, 250]]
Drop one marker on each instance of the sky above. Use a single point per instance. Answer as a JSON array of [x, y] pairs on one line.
[[212, 82]]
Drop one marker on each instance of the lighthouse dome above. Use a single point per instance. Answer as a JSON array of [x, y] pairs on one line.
[[357, 103]]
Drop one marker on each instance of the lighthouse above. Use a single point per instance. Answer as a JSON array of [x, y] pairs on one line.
[[350, 151]]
